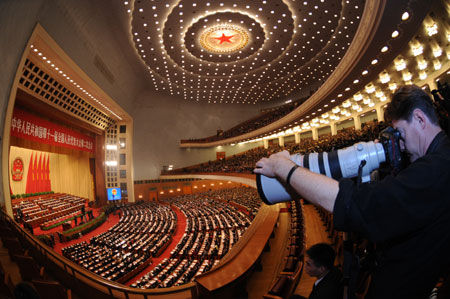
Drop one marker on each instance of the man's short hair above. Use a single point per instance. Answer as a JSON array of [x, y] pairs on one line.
[[405, 100], [322, 254]]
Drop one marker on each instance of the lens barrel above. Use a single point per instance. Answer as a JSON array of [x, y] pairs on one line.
[[343, 163]]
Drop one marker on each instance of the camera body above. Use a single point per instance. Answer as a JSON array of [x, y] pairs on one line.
[[343, 163]]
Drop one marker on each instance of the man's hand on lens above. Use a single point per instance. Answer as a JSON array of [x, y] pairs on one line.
[[274, 165]]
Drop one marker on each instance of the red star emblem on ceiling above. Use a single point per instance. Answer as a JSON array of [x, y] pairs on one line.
[[224, 38]]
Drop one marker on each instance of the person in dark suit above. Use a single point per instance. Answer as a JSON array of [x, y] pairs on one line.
[[320, 264]]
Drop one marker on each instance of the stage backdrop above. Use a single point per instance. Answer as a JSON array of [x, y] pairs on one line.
[[36, 171]]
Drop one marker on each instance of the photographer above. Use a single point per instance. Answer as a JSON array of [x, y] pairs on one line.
[[407, 216]]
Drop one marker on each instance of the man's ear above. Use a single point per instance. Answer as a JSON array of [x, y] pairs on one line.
[[420, 117]]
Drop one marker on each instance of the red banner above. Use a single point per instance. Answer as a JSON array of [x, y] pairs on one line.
[[28, 126]]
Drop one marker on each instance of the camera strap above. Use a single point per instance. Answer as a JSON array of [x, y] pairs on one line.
[[360, 169]]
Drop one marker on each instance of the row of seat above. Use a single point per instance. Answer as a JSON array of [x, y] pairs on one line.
[[286, 281], [124, 250], [42, 211], [35, 281], [113, 264], [213, 226], [174, 272]]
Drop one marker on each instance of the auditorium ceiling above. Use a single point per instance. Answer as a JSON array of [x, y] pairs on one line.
[[243, 52], [252, 52]]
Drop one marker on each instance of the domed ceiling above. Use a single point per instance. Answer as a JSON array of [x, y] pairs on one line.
[[241, 52]]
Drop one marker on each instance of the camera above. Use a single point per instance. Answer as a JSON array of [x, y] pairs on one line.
[[359, 159]]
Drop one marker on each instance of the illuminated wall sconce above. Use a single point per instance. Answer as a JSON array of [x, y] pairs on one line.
[[379, 94], [437, 64], [336, 109], [417, 49], [384, 77], [422, 64], [406, 76], [346, 104], [400, 64], [437, 52], [392, 86], [422, 75], [383, 99], [370, 88], [358, 97], [366, 101], [140, 196], [432, 29]]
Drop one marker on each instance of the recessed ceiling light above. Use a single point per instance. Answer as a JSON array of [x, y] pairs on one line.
[[405, 16]]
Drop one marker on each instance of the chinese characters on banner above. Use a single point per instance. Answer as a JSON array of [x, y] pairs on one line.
[[28, 126]]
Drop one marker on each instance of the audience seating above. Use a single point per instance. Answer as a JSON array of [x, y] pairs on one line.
[[28, 268], [245, 162], [287, 280], [51, 289]]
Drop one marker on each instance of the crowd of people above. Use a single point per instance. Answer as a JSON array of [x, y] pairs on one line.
[[252, 124], [245, 162], [213, 226]]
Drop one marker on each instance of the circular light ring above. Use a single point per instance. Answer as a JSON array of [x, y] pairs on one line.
[[224, 39], [199, 38]]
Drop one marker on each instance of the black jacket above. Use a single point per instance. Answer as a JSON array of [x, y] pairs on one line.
[[330, 287], [408, 216]]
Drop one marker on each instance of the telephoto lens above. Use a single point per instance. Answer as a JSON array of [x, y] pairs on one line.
[[343, 163]]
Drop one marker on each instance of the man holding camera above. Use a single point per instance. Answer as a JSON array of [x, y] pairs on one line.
[[407, 215]]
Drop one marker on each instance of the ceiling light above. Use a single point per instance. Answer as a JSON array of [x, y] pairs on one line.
[[384, 49], [395, 34], [405, 16]]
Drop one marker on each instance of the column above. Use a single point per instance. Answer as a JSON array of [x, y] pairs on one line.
[[297, 138], [380, 113], [333, 128], [357, 121], [281, 140], [315, 133], [266, 143]]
